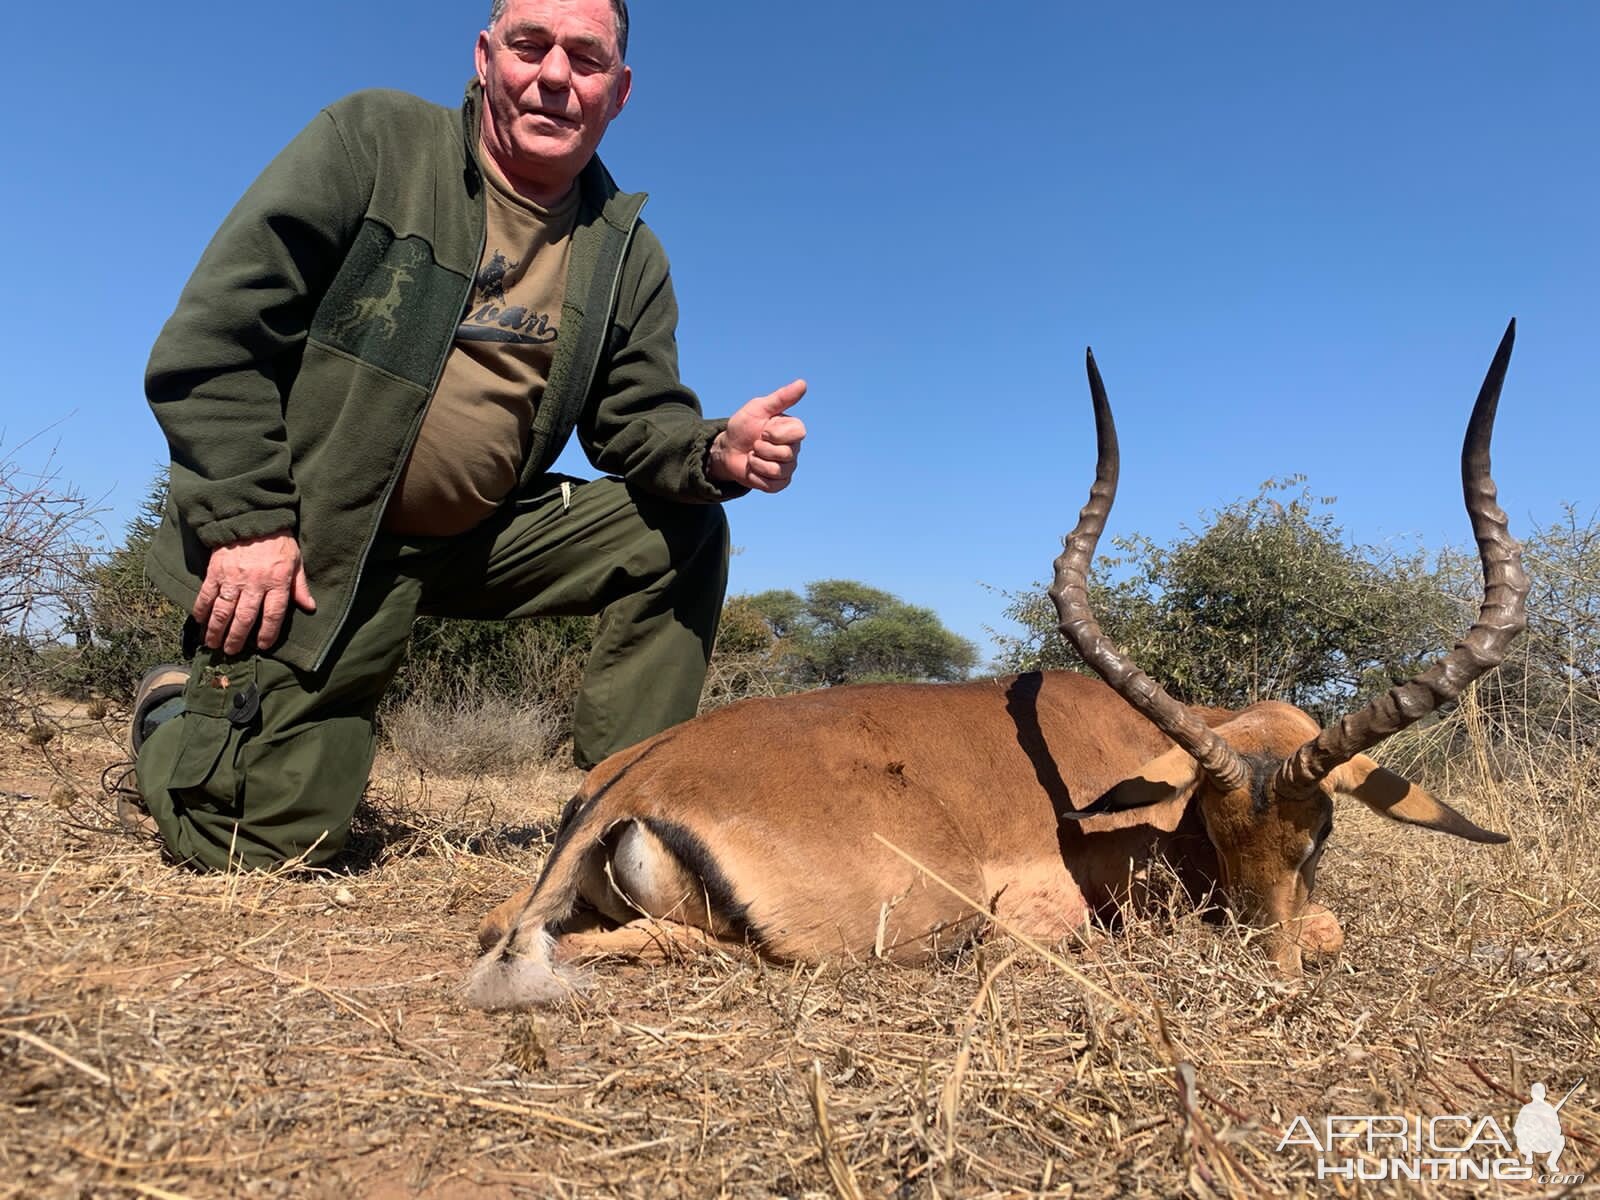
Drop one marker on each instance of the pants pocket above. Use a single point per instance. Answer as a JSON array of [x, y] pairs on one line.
[[221, 703], [203, 740]]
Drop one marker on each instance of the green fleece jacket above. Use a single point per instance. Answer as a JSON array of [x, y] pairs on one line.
[[292, 378]]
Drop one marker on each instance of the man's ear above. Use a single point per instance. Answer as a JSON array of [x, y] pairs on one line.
[[624, 89], [1396, 797], [480, 57], [1165, 777]]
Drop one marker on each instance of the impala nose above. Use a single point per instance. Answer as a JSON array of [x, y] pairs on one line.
[[1319, 931]]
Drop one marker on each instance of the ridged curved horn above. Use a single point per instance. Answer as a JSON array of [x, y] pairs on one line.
[[1071, 596], [1500, 618]]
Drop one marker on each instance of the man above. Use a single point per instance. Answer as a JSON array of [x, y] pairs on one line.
[[364, 386]]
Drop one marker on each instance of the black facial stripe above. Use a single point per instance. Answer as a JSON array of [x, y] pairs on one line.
[[1262, 769]]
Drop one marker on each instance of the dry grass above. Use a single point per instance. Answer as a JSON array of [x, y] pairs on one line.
[[167, 1034], [471, 733]]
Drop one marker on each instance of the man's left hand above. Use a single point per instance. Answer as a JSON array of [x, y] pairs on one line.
[[761, 445]]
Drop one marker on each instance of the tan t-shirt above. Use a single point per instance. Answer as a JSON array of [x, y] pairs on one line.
[[474, 438]]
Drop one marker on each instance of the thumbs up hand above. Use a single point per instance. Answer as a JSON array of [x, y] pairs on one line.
[[759, 448]]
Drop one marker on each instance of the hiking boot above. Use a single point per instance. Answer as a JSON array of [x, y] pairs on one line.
[[158, 698], [120, 783], [135, 819]]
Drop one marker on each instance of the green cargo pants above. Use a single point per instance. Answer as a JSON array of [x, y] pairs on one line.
[[267, 762]]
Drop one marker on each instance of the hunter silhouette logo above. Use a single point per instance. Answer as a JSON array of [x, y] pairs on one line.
[[1538, 1127], [1457, 1146]]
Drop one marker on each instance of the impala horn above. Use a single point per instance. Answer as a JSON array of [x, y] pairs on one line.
[[1071, 595], [1500, 618]]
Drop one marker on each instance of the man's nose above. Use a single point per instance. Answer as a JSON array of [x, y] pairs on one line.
[[555, 69]]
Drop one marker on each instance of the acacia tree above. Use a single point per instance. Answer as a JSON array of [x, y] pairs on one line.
[[842, 631], [1268, 601]]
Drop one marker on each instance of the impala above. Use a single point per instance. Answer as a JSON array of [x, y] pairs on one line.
[[844, 822]]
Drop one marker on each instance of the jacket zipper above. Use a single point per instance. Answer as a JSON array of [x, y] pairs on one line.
[[611, 297], [400, 466], [394, 478]]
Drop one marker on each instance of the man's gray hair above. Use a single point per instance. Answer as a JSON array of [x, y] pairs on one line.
[[619, 10]]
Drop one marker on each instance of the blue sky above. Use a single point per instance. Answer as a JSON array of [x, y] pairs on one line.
[[1292, 233]]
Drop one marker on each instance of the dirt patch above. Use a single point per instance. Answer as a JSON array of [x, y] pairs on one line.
[[164, 1033]]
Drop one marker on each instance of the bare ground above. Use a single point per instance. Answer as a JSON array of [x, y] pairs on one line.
[[168, 1034]]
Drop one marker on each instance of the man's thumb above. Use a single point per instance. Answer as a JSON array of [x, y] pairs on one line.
[[302, 590], [781, 400]]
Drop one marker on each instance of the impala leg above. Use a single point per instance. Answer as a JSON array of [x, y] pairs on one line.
[[634, 874], [644, 940]]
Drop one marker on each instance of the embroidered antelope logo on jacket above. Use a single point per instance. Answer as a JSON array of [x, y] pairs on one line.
[[380, 310]]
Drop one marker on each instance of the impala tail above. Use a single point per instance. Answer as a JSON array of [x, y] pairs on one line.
[[518, 969]]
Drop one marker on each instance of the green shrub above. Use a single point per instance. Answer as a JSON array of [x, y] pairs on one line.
[[1268, 601], [131, 626]]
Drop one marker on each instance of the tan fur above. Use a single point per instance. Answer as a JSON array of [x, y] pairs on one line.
[[976, 782], [1318, 931], [497, 923], [644, 939], [893, 819]]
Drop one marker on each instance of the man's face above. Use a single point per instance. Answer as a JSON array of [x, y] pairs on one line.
[[552, 82]]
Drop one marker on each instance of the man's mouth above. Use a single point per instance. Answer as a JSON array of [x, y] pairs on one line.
[[557, 118]]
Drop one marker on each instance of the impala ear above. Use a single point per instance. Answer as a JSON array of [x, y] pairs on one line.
[[1396, 797], [1175, 773]]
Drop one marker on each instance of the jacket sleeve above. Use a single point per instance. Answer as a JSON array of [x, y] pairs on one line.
[[223, 364], [640, 421]]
